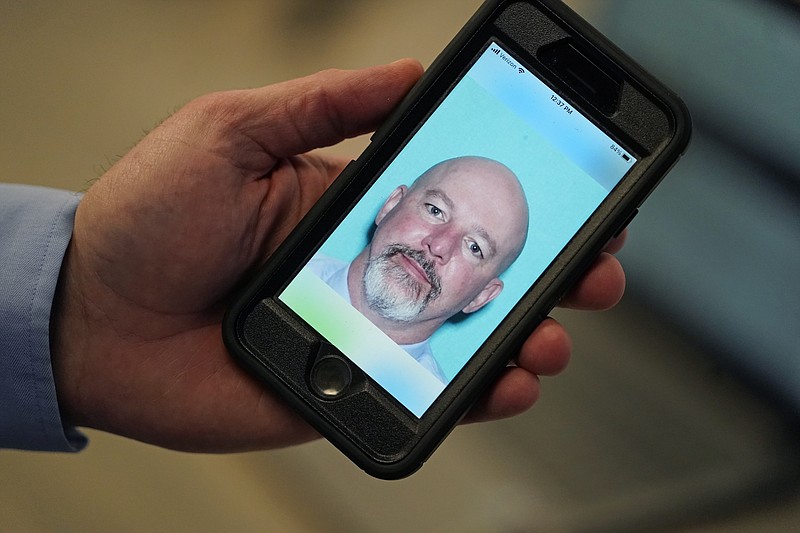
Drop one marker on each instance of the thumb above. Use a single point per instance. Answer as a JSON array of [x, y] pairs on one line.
[[323, 109]]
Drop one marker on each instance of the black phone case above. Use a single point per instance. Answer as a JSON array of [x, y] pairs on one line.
[[372, 429]]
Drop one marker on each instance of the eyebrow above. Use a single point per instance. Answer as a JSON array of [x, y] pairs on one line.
[[480, 230], [441, 195]]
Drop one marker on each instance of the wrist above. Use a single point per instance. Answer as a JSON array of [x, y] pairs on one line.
[[67, 343]]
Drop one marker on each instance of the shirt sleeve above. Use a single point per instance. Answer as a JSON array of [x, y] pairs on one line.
[[35, 228]]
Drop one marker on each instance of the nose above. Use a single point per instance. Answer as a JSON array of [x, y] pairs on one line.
[[441, 243]]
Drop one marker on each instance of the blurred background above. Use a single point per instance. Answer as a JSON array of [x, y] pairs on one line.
[[680, 408]]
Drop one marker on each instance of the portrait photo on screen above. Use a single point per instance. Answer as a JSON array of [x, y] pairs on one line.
[[559, 197], [455, 230]]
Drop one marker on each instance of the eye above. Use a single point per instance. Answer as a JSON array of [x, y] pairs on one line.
[[434, 211], [475, 249]]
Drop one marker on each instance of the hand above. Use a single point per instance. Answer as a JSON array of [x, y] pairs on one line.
[[169, 232]]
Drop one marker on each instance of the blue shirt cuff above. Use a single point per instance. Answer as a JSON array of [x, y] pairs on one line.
[[36, 227]]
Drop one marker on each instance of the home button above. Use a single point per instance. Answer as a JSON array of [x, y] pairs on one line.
[[330, 377]]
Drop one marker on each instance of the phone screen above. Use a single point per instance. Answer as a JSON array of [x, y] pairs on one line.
[[457, 228]]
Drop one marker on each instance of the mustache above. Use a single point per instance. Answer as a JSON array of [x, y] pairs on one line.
[[422, 260]]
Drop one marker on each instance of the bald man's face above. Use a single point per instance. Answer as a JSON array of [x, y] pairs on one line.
[[440, 245]]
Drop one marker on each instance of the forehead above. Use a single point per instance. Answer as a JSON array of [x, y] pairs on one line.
[[474, 188]]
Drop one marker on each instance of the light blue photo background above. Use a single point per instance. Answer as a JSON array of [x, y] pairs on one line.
[[561, 197]]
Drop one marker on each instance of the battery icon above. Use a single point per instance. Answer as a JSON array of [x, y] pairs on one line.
[[626, 157]]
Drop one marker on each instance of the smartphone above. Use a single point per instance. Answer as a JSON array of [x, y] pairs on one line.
[[528, 144]]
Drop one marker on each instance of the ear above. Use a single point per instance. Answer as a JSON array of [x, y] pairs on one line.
[[390, 203], [491, 291]]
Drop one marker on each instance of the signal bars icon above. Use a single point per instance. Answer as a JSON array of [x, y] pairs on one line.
[[497, 52]]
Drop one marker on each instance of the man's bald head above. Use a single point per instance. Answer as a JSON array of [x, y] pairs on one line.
[[440, 245]]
